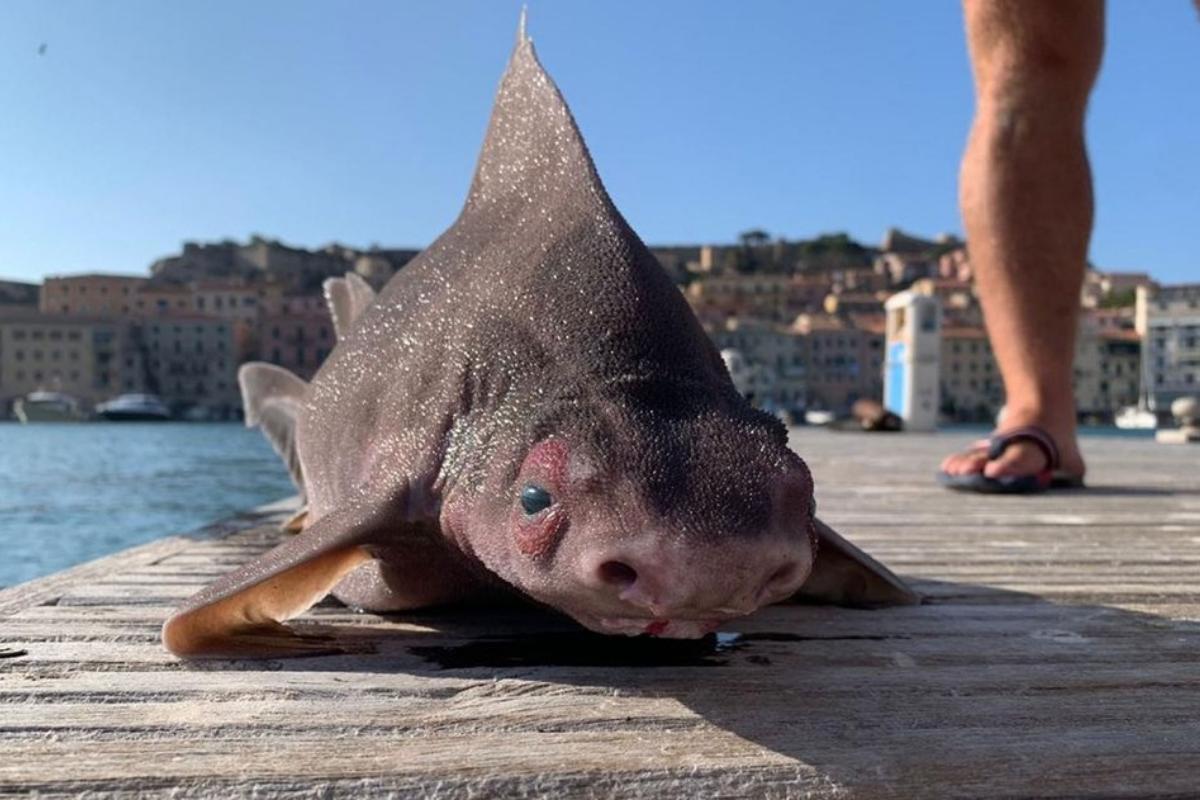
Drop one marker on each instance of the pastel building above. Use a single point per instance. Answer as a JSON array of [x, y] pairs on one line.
[[1168, 319], [90, 358], [91, 295], [192, 361]]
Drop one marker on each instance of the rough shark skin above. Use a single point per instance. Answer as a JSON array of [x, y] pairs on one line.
[[528, 407]]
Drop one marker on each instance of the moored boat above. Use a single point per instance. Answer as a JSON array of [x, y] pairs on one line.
[[818, 416], [134, 408], [42, 406], [1135, 418]]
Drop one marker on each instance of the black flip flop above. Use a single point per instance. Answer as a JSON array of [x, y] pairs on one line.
[[1049, 478]]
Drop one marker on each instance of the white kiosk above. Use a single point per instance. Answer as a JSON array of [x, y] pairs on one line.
[[910, 371]]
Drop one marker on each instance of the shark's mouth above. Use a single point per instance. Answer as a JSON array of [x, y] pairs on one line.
[[666, 628]]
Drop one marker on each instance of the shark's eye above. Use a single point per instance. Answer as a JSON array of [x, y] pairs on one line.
[[535, 499]]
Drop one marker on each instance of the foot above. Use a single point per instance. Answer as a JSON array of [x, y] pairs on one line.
[[1020, 458]]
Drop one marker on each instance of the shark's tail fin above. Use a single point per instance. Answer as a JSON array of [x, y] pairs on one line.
[[347, 297], [272, 397]]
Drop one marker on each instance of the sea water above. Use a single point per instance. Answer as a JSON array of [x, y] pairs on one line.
[[73, 492]]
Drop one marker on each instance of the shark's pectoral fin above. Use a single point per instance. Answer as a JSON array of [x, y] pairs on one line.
[[347, 298], [844, 575], [296, 522], [272, 398], [242, 614]]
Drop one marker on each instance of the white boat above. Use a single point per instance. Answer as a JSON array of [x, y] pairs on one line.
[[1136, 418], [818, 416], [134, 408], [41, 406]]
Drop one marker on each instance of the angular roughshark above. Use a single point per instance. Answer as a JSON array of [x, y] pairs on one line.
[[528, 407]]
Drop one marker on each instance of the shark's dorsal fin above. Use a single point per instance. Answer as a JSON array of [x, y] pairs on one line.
[[347, 298], [272, 398], [533, 158]]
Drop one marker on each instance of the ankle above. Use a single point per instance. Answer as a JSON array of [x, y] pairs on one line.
[[1057, 420]]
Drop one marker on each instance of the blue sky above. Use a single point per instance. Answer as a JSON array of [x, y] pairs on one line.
[[147, 123]]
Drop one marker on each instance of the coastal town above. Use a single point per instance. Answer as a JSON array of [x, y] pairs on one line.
[[801, 324]]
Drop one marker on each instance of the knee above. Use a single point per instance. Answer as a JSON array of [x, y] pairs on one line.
[[1038, 75], [1033, 57]]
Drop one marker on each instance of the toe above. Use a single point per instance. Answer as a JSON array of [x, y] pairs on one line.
[[1020, 458], [965, 463]]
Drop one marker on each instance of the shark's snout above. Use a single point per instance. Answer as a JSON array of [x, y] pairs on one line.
[[663, 586], [668, 585]]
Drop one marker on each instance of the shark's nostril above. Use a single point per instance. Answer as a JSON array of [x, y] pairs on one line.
[[782, 577], [618, 574], [784, 574]]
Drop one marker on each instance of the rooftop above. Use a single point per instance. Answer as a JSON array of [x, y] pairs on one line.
[[75, 276]]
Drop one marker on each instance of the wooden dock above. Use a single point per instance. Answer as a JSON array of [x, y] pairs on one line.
[[1058, 655]]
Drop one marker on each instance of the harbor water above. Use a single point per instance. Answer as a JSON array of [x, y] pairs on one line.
[[70, 493]]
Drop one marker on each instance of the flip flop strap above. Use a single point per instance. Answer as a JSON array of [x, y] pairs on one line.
[[1000, 442]]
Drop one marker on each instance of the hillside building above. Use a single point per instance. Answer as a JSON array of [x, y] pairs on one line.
[[1168, 320]]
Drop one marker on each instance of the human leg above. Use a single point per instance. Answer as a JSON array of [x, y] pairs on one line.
[[1026, 197]]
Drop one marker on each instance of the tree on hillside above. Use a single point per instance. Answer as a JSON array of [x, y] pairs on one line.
[[755, 237]]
